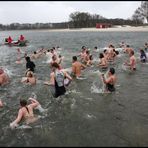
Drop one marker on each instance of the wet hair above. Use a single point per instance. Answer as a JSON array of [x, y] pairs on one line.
[[91, 57], [74, 58], [83, 47], [34, 52], [117, 52], [128, 46], [54, 57], [27, 58], [23, 103], [56, 65], [111, 46], [95, 47], [101, 56], [104, 50], [30, 74], [112, 70], [87, 52], [53, 48], [60, 56]]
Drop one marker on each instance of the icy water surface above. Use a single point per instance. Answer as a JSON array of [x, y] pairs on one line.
[[84, 116]]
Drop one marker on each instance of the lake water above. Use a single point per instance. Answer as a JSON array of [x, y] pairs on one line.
[[84, 116]]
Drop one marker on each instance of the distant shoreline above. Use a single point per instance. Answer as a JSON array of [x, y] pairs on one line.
[[112, 29], [122, 29]]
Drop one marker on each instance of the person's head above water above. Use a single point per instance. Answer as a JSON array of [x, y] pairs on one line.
[[74, 58], [27, 58], [55, 66], [23, 102], [112, 70], [101, 56], [132, 53]]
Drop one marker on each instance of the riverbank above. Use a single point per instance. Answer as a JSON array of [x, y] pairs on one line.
[[118, 28]]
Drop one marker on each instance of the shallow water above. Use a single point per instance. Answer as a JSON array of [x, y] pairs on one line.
[[84, 116]]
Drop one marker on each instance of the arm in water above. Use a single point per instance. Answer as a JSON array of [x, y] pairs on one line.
[[17, 120]]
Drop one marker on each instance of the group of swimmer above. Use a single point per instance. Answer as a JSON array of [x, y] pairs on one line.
[[60, 78]]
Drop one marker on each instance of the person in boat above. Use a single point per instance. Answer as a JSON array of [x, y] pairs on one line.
[[21, 38], [143, 57], [9, 40], [103, 62], [26, 112], [110, 81], [4, 78], [77, 67], [30, 78], [29, 64], [57, 77], [132, 61]]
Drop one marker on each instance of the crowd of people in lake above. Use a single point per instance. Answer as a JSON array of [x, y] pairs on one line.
[[61, 77]]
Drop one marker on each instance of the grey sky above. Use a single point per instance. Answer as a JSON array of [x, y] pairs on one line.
[[58, 11]]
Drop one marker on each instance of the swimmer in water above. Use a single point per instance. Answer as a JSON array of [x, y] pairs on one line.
[[77, 67], [4, 79], [132, 63], [57, 80], [29, 64], [26, 112], [30, 78], [143, 57], [103, 62], [1, 103], [128, 49], [110, 81]]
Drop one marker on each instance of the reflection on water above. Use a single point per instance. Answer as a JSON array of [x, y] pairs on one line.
[[84, 116]]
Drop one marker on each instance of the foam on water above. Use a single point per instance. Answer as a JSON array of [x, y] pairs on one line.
[[89, 116]]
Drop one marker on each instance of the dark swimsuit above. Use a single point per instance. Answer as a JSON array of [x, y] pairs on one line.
[[110, 87], [59, 90]]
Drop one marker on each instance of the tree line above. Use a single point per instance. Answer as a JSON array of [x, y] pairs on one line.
[[85, 20]]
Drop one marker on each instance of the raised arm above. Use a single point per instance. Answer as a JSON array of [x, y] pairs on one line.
[[34, 102]]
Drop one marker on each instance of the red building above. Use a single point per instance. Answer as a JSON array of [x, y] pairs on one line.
[[103, 25]]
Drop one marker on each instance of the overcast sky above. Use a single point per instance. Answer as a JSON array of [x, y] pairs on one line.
[[59, 11]]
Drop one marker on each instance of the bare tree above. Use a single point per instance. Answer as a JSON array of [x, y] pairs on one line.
[[141, 12]]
